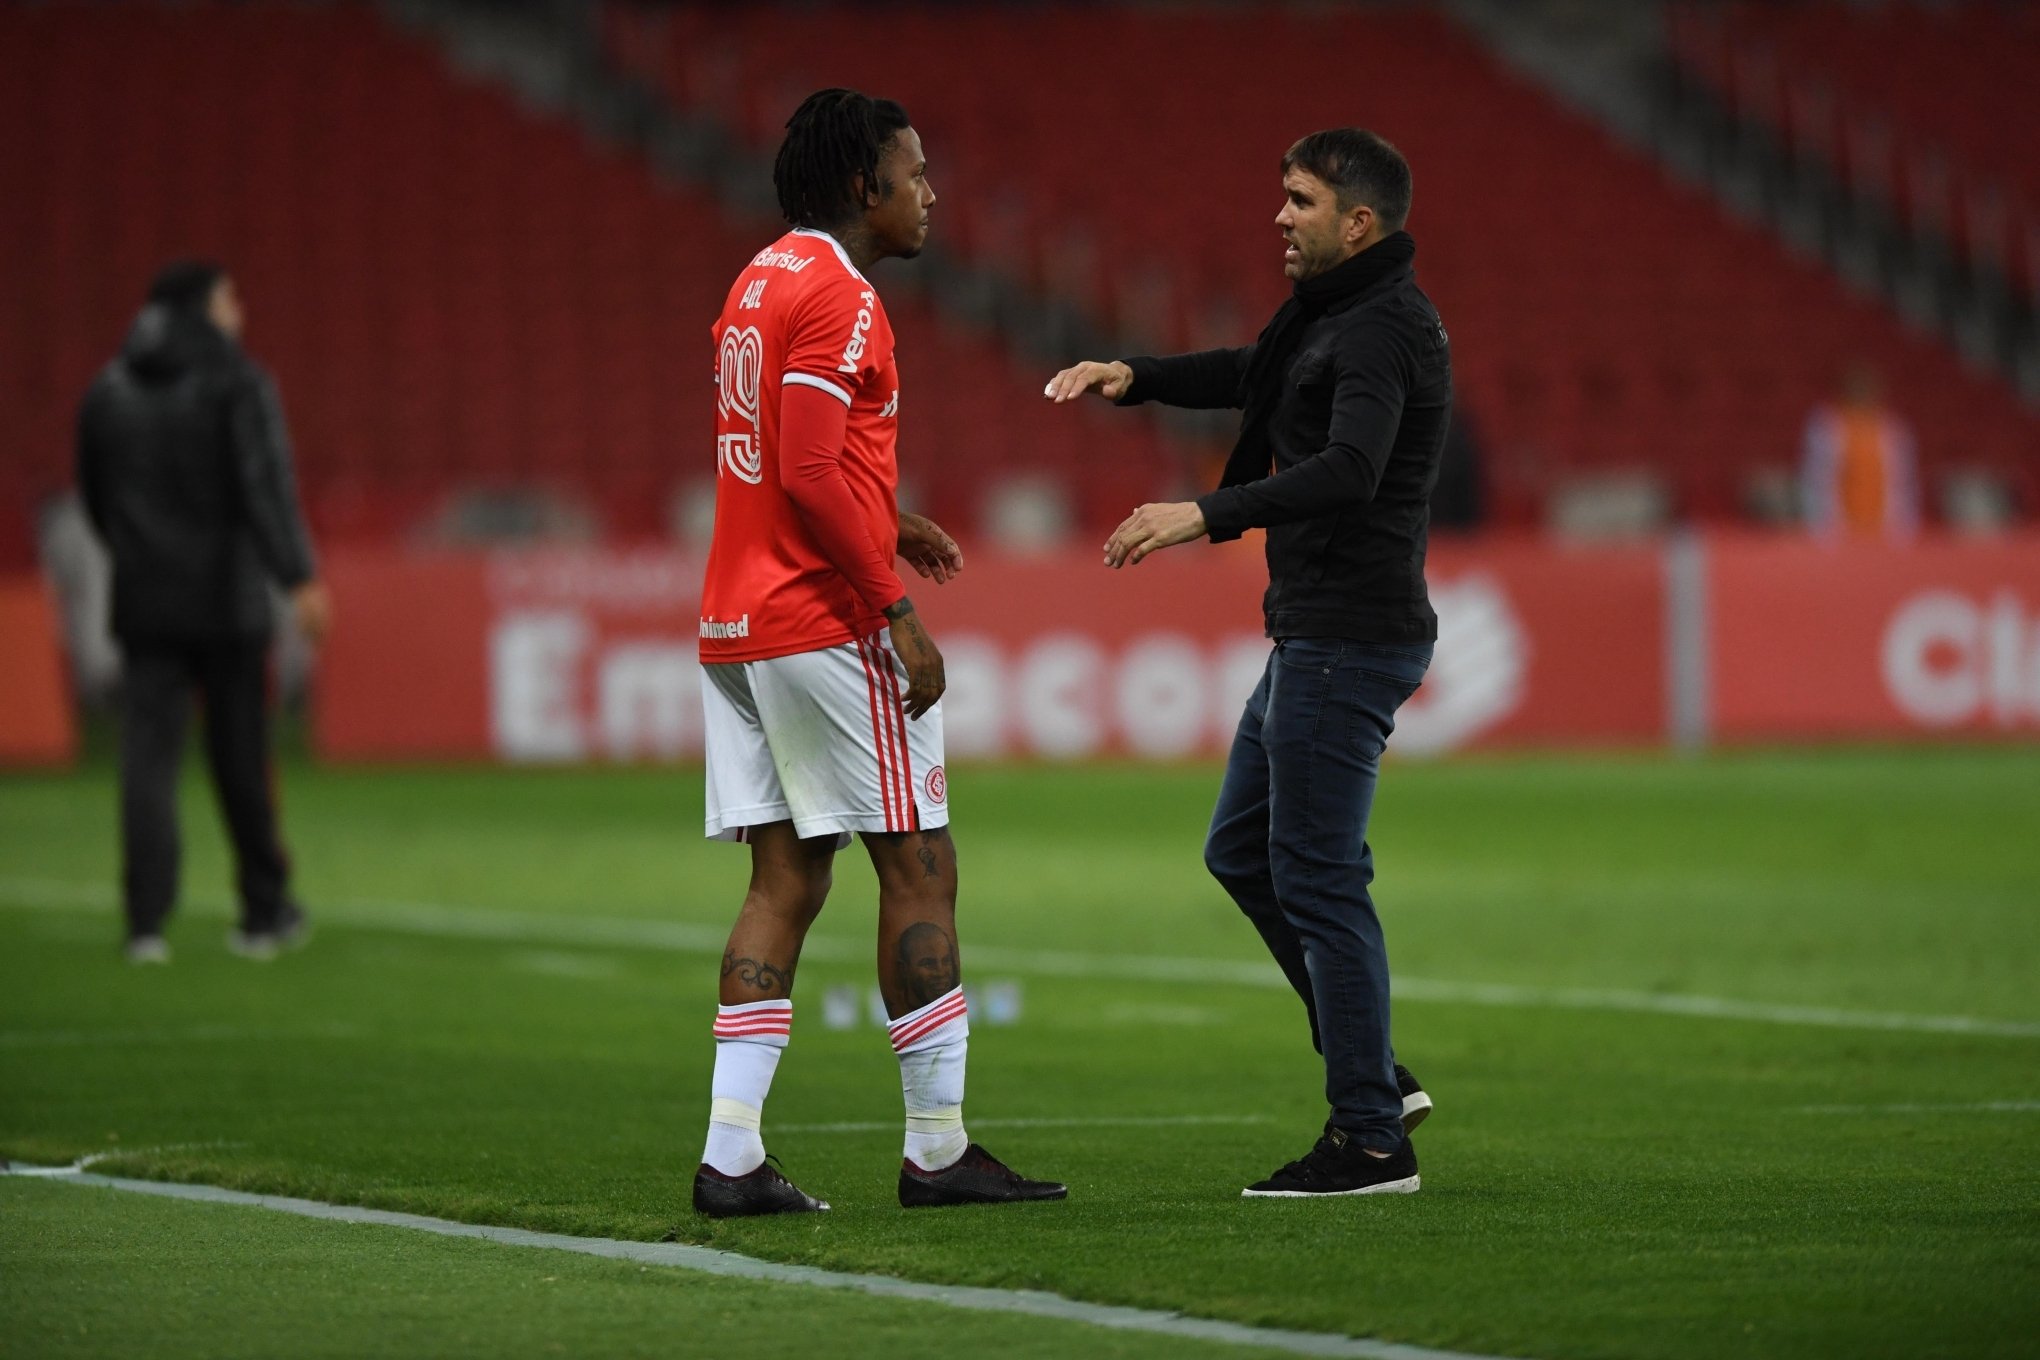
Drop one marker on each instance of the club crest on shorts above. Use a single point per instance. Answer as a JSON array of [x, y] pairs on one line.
[[937, 785]]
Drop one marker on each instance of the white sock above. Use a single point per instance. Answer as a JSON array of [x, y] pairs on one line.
[[748, 1041], [931, 1043]]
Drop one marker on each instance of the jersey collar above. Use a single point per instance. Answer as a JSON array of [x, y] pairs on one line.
[[836, 246]]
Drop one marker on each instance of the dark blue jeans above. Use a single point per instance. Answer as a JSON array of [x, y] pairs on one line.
[[1289, 842]]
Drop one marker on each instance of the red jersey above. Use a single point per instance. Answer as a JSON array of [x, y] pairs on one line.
[[799, 314]]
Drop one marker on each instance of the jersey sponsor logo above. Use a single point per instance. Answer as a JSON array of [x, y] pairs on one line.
[[938, 785], [718, 631], [860, 334], [740, 363], [769, 258], [892, 405], [754, 295]]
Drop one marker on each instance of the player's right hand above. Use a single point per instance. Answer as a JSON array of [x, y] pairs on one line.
[[313, 606], [1109, 380], [917, 652]]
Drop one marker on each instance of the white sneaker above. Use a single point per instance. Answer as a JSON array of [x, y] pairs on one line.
[[147, 949], [258, 945]]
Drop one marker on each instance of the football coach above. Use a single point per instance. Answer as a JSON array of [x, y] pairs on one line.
[[1345, 398], [184, 466]]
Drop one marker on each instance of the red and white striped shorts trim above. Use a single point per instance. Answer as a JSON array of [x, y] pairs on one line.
[[889, 737]]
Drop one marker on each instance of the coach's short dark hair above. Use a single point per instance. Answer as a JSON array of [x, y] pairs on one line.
[[186, 285], [1361, 167], [834, 136]]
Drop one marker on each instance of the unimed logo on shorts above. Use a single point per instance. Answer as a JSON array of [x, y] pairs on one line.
[[1950, 659]]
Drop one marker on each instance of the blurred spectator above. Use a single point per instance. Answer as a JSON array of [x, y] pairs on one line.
[[1859, 475], [1459, 501], [185, 471]]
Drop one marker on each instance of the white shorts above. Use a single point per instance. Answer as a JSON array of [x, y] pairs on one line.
[[819, 739]]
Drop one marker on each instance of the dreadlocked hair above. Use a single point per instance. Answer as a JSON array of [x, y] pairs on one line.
[[834, 136]]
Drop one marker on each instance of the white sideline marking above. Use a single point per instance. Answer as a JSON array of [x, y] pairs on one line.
[[559, 963], [93, 1159], [1976, 1107], [708, 1261], [1708, 1007], [1130, 1122], [455, 922]]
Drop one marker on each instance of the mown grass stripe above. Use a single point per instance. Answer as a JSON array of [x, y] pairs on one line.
[[467, 922]]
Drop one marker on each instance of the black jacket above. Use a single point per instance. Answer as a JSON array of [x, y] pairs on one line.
[[184, 466], [1355, 434]]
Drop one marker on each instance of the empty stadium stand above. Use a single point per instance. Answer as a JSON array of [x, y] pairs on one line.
[[1926, 108], [1605, 319], [453, 291], [457, 291]]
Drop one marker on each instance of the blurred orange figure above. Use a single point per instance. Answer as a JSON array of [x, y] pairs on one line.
[[1859, 474]]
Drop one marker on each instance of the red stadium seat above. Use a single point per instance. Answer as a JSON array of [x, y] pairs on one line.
[[1592, 302], [450, 289]]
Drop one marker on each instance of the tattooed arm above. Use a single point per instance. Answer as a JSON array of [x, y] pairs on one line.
[[916, 650]]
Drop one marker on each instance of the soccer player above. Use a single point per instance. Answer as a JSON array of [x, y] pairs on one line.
[[821, 688], [1346, 397]]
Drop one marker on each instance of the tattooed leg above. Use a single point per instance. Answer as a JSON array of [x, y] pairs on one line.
[[790, 880], [918, 959], [920, 976]]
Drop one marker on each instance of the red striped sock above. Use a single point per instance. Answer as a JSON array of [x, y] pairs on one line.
[[748, 1041], [933, 1044]]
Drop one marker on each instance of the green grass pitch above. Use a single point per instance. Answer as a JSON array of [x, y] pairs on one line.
[[503, 1017]]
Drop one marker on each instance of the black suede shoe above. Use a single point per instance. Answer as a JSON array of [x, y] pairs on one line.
[[1416, 1106], [1338, 1166], [977, 1177], [763, 1191]]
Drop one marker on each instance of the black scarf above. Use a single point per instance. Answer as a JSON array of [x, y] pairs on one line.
[[1261, 388]]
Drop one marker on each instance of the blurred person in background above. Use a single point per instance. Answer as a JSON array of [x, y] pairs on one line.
[[184, 467], [1859, 472], [1460, 500], [1346, 399], [820, 687]]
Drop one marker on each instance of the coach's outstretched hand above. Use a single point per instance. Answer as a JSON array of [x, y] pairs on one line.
[[1152, 528], [916, 651], [1109, 380], [928, 550]]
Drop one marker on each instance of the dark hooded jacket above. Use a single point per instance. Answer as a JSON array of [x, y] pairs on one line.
[[184, 466], [1347, 395]]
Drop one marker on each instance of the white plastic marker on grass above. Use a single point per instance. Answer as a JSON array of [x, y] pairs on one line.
[[708, 1261], [441, 920]]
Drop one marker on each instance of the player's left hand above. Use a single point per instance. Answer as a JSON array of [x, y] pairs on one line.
[[1152, 528], [928, 549]]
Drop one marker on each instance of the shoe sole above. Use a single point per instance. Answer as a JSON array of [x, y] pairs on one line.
[[906, 1203], [1416, 1108], [821, 1207], [1408, 1185]]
